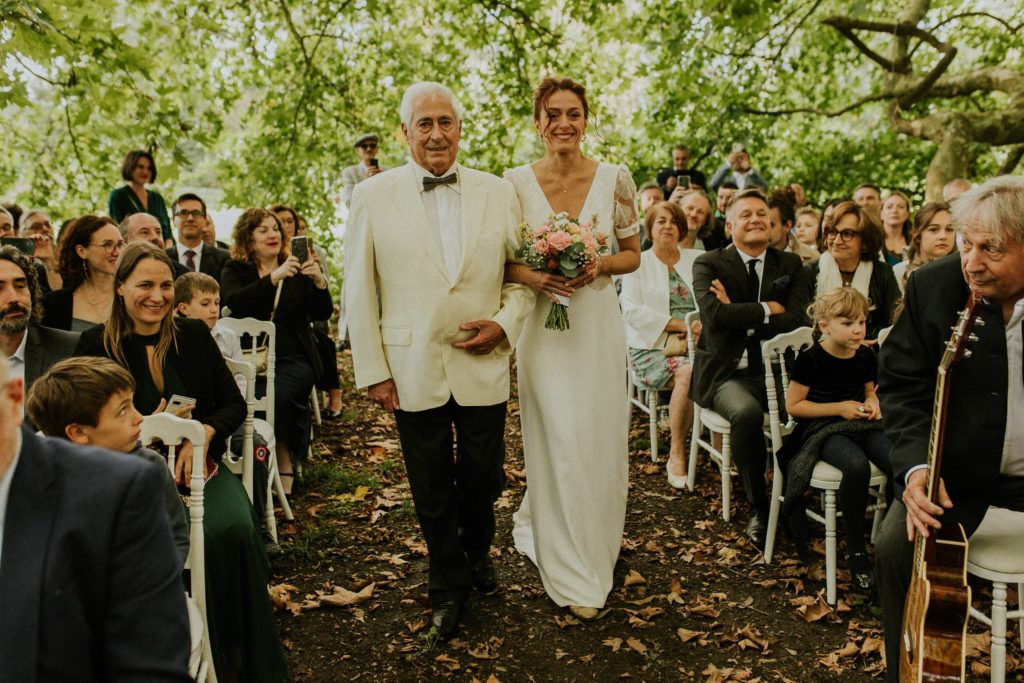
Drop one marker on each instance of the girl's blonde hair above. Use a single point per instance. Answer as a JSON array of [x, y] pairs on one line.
[[841, 302]]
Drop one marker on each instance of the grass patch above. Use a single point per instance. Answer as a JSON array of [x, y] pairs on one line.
[[335, 478]]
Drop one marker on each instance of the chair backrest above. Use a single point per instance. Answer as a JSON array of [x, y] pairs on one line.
[[172, 430], [251, 332], [773, 353], [241, 367]]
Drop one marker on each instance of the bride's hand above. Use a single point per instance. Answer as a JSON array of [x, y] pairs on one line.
[[549, 285], [589, 274]]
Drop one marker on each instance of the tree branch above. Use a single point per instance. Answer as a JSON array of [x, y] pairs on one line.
[[1010, 28], [821, 112], [1012, 159]]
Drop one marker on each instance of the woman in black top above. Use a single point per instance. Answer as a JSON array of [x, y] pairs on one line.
[[87, 255], [168, 355], [259, 265]]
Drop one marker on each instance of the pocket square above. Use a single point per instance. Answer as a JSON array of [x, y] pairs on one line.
[[779, 282]]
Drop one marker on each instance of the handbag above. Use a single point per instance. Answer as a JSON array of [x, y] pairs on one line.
[[675, 346], [258, 353]]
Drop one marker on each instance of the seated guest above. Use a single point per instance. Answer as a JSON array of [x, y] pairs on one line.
[[868, 196], [896, 225], [954, 188], [808, 225], [746, 293], [933, 237], [87, 256], [262, 282], [650, 194], [781, 205], [90, 584], [88, 401], [141, 227], [139, 169], [718, 237], [31, 348], [655, 300], [852, 240], [832, 395], [697, 210], [189, 250], [7, 227], [168, 355], [35, 224]]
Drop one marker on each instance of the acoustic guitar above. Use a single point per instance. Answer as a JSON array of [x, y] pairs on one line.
[[939, 599]]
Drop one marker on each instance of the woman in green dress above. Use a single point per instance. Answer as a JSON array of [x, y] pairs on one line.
[[139, 169], [655, 300], [167, 355]]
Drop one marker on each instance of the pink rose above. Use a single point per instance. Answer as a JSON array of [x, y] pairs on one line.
[[541, 246], [559, 240]]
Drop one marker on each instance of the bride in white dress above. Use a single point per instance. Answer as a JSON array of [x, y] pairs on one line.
[[572, 382]]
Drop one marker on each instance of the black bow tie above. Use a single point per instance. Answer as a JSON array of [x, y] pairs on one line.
[[429, 182]]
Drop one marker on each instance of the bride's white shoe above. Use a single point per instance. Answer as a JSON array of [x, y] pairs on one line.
[[676, 481], [583, 613]]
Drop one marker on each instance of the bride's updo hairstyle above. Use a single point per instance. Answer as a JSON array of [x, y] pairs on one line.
[[550, 86]]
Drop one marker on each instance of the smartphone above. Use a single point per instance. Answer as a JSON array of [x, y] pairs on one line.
[[683, 181], [374, 163], [25, 245], [300, 248], [179, 401]]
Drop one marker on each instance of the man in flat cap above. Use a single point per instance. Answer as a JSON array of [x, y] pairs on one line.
[[366, 147]]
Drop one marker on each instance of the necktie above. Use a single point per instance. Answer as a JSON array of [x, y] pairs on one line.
[[429, 182], [190, 260], [754, 287]]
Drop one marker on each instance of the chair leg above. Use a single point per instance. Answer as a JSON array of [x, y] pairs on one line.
[[830, 547], [998, 632], [773, 515], [1020, 605], [695, 435], [726, 477], [652, 406], [879, 515]]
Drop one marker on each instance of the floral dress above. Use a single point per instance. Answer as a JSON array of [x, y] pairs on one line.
[[653, 370]]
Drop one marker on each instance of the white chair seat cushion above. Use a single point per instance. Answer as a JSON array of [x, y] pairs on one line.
[[996, 545], [826, 476], [713, 421]]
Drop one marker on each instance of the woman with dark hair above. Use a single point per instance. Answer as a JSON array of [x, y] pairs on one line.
[[853, 239], [577, 453], [289, 220], [86, 258], [168, 355], [260, 282], [139, 169], [896, 224], [933, 237]]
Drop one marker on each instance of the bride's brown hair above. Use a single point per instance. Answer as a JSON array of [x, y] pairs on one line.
[[549, 86]]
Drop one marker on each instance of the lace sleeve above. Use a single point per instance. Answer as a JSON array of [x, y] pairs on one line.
[[625, 219]]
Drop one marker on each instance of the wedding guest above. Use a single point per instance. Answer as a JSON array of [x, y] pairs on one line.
[[808, 225], [15, 210], [781, 205], [869, 196], [141, 227], [86, 259], [954, 188], [261, 281], [746, 293], [799, 196], [650, 194], [7, 225], [933, 237], [189, 249], [570, 521], [139, 169], [696, 209], [36, 225], [655, 300], [366, 147], [668, 178], [737, 169], [289, 220], [852, 240], [168, 355], [719, 237], [896, 224]]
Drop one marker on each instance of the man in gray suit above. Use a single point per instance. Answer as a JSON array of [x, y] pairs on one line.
[[32, 348], [366, 147]]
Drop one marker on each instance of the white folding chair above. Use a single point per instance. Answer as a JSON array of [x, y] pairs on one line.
[[824, 478], [995, 553], [252, 328], [705, 418], [242, 463], [172, 430], [647, 401]]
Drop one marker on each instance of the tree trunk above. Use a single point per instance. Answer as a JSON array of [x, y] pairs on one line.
[[952, 156]]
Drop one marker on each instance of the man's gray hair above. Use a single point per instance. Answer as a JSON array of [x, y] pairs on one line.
[[9, 215], [996, 206], [424, 88], [23, 221]]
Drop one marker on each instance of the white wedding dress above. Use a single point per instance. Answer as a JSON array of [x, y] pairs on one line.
[[573, 405]]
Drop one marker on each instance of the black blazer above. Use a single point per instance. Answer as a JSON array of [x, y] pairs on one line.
[[90, 582], [883, 292], [724, 336], [211, 263], [976, 415], [44, 347]]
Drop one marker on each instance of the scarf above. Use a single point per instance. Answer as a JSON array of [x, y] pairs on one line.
[[829, 276]]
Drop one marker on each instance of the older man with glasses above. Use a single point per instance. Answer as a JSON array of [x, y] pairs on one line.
[[189, 250], [36, 225]]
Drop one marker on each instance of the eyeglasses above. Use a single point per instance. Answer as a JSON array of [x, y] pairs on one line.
[[185, 213], [37, 227], [110, 246], [846, 235], [369, 145]]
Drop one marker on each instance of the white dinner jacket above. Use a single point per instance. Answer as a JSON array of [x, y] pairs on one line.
[[391, 248], [645, 297]]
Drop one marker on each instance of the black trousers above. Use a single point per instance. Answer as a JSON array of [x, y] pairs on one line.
[[454, 456], [894, 565], [742, 400]]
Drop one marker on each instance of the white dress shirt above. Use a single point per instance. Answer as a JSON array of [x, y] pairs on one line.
[[5, 489], [759, 269], [197, 258], [1013, 440], [443, 205], [17, 360]]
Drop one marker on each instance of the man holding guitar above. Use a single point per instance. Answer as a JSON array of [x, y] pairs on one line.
[[981, 429]]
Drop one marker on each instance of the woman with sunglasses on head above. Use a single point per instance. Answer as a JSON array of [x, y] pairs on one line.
[[86, 259], [851, 241]]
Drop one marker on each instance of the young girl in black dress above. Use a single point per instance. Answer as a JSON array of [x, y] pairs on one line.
[[832, 395]]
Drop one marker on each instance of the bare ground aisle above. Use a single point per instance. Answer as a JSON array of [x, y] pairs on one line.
[[693, 600]]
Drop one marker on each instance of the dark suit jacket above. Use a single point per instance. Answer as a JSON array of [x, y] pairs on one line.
[[211, 263], [976, 422], [90, 583], [724, 335], [44, 347]]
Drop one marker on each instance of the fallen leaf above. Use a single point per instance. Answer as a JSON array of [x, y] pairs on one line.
[[613, 643], [341, 597], [636, 645], [686, 635], [356, 496]]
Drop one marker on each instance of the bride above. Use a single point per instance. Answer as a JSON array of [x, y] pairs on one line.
[[573, 407]]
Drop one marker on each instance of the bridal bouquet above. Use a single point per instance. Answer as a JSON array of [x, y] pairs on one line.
[[561, 246]]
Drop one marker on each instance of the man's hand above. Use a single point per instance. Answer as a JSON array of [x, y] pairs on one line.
[[384, 394], [921, 512], [488, 335], [775, 308], [718, 289]]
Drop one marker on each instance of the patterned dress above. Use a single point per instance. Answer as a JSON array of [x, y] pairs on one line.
[[653, 370]]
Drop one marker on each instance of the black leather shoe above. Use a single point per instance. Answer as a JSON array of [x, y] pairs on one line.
[[445, 619], [795, 521], [757, 530], [483, 576]]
